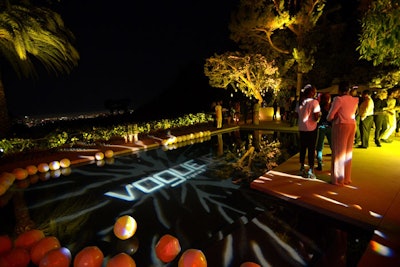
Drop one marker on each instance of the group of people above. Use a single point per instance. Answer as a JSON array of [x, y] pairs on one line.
[[344, 121], [379, 111]]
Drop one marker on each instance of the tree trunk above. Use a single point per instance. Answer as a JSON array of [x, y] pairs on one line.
[[4, 116], [299, 83]]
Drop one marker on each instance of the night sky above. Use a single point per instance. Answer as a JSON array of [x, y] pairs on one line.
[[129, 49]]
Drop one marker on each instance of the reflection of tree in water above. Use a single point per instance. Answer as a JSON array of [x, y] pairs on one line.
[[245, 160], [65, 220]]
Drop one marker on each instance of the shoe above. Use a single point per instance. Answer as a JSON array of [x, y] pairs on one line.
[[378, 144], [302, 172], [311, 175], [361, 146], [319, 168], [386, 140]]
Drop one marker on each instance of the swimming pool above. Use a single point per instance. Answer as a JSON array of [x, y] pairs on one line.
[[188, 192]]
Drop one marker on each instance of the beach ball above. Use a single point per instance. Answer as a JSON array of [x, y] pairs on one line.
[[54, 165], [20, 173], [109, 154], [249, 264], [43, 167], [192, 257], [121, 260], [3, 189], [167, 248], [59, 257], [125, 227], [31, 169], [17, 257], [28, 239], [5, 244], [99, 156], [43, 246], [7, 179], [65, 163], [90, 256]]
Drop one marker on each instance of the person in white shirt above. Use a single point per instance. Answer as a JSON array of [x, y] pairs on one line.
[[366, 112], [309, 112], [342, 115]]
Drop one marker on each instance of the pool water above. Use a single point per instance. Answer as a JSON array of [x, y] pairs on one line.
[[190, 192]]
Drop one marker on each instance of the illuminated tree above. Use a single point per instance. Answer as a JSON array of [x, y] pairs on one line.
[[380, 40], [252, 74], [279, 28], [30, 35], [380, 33]]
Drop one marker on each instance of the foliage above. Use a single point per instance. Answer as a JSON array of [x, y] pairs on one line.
[[94, 135], [380, 33], [32, 37], [251, 74], [280, 30], [247, 160]]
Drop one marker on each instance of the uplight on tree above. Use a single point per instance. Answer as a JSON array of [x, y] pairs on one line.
[[251, 74]]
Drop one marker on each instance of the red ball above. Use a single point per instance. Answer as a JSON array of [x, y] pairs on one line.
[[42, 247], [59, 257], [29, 238], [17, 257], [167, 248], [90, 256], [121, 260], [192, 257], [249, 264], [5, 244]]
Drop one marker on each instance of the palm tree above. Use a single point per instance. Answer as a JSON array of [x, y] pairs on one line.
[[30, 35]]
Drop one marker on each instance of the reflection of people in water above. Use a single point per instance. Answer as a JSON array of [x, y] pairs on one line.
[[220, 150]]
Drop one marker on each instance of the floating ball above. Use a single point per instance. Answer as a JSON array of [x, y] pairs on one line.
[[20, 173], [17, 257], [43, 167], [99, 156], [167, 248], [65, 163], [28, 239], [59, 257], [54, 165], [7, 179], [121, 260], [31, 169], [43, 246], [249, 264], [109, 154], [3, 189], [192, 257], [5, 244], [125, 227], [90, 256]]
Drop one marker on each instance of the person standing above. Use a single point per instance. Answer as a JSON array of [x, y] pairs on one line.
[[390, 111], [366, 111], [275, 107], [218, 114], [354, 93], [342, 115], [308, 111], [324, 127], [379, 115]]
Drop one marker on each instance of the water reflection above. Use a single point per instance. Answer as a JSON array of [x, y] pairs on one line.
[[191, 192]]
